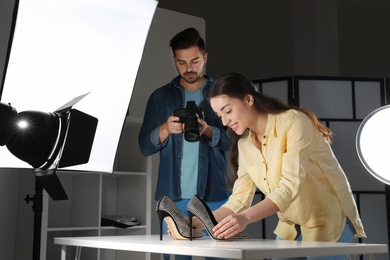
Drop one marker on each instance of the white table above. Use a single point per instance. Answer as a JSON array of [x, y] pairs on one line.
[[206, 247]]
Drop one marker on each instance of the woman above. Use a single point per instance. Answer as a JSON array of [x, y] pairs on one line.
[[284, 151]]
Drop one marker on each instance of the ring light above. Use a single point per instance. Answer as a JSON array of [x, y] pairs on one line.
[[373, 143]]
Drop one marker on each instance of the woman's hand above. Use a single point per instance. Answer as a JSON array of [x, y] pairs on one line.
[[234, 223], [230, 226]]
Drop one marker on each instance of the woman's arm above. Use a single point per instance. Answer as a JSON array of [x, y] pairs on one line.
[[231, 224]]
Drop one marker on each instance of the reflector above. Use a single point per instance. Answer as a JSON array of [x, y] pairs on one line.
[[373, 143]]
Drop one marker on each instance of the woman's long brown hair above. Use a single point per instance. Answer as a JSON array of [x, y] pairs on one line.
[[237, 86]]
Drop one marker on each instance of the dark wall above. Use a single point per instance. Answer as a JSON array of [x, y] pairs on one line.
[[364, 28], [252, 37], [270, 38]]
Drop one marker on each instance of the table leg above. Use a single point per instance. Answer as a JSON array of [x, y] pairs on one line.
[[63, 253], [78, 253]]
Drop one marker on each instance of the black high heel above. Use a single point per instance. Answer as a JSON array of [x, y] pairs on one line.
[[198, 208], [167, 210]]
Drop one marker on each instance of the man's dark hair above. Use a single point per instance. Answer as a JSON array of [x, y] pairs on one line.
[[186, 39]]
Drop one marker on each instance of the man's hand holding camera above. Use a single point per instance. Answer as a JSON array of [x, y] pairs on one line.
[[205, 129], [171, 126], [188, 119]]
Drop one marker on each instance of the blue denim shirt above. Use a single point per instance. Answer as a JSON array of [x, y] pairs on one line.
[[212, 171]]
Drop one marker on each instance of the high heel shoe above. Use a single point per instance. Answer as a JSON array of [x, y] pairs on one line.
[[198, 208], [167, 210]]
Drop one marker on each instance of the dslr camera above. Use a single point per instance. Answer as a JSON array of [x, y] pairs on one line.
[[189, 116]]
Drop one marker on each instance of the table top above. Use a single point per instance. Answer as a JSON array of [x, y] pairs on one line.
[[238, 249]]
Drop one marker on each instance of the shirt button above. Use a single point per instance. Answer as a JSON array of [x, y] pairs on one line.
[[264, 136], [265, 179]]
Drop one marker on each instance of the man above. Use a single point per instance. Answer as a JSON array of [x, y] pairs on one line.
[[187, 168]]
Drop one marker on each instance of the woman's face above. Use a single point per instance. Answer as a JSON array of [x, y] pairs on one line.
[[234, 113]]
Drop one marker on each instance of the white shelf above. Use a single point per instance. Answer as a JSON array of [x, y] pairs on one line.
[[128, 173], [126, 191], [124, 229], [71, 229]]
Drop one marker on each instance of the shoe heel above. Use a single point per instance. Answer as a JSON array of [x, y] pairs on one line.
[[161, 215], [190, 216], [198, 208], [178, 226]]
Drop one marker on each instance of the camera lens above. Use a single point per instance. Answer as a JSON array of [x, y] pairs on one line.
[[191, 129], [189, 116], [192, 136]]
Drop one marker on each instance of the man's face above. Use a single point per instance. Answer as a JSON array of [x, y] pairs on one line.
[[190, 64]]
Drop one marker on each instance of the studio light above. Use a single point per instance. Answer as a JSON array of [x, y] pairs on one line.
[[48, 140], [35, 137]]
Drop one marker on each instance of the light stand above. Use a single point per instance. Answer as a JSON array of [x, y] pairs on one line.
[[55, 190], [37, 207]]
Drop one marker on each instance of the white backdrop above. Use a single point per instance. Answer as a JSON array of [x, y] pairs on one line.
[[66, 48]]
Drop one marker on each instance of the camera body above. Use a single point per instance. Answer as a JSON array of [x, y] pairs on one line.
[[189, 117]]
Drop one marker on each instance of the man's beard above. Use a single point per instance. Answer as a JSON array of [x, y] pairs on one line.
[[194, 77]]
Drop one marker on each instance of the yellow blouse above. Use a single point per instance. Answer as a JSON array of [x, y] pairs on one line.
[[298, 171]]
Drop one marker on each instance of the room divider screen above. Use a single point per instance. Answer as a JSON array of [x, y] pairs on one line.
[[341, 103]]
